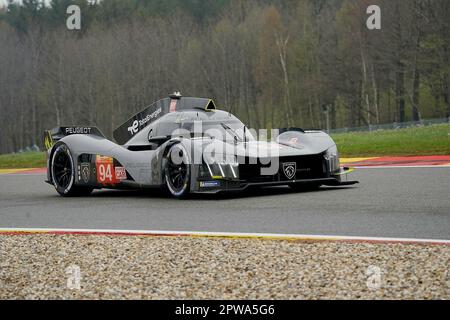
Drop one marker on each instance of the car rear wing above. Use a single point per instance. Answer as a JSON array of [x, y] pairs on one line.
[[156, 110], [56, 134]]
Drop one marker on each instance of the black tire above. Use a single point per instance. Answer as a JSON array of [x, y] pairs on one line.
[[177, 173], [305, 187], [63, 173]]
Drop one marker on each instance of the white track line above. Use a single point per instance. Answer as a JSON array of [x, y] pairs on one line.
[[223, 234]]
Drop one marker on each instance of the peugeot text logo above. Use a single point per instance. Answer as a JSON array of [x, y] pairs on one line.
[[289, 169]]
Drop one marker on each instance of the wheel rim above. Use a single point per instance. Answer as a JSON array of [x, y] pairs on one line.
[[62, 169], [177, 174]]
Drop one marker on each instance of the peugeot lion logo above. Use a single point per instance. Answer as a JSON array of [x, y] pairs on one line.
[[289, 169]]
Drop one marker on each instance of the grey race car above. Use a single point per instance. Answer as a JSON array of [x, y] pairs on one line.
[[186, 145]]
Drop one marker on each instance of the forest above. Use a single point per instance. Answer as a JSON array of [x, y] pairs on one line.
[[273, 63]]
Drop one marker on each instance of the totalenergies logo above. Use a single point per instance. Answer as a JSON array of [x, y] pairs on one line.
[[134, 128]]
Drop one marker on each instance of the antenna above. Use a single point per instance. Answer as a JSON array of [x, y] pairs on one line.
[[175, 95], [245, 134], [229, 110]]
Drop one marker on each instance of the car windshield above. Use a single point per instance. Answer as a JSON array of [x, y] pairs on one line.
[[226, 130]]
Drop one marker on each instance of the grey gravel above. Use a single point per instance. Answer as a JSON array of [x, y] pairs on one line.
[[142, 267]]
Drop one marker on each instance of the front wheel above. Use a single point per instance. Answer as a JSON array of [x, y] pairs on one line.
[[63, 173], [177, 171]]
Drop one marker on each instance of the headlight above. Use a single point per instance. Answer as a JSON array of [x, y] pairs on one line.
[[332, 157], [223, 167]]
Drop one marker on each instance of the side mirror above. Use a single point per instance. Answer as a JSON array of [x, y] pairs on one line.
[[158, 139]]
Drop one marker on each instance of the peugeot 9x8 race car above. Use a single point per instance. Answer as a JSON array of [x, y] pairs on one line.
[[186, 145]]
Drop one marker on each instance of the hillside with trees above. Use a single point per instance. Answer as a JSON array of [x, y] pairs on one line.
[[275, 63]]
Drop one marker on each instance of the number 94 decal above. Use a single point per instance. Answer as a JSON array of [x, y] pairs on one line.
[[107, 173]]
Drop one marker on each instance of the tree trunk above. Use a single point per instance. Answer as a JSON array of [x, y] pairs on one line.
[[446, 94], [282, 50], [364, 91], [416, 83], [416, 94], [333, 117], [400, 92], [375, 95]]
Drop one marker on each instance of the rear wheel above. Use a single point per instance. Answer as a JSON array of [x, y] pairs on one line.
[[177, 171], [63, 173]]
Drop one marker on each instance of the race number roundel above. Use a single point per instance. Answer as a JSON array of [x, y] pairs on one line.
[[105, 170]]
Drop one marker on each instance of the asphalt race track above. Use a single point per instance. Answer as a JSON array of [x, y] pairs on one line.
[[388, 202]]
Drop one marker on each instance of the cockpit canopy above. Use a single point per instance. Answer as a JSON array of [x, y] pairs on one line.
[[219, 125]]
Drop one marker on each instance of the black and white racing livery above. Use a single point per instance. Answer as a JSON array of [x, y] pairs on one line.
[[186, 145]]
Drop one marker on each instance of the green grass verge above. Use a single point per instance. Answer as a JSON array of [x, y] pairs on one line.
[[431, 140], [22, 160]]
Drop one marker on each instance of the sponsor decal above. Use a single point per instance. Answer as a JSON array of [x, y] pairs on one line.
[[173, 105], [105, 170], [103, 158], [289, 169], [134, 128], [138, 124], [121, 174], [78, 130], [208, 184], [85, 172]]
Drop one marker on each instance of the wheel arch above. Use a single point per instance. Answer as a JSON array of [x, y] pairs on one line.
[[165, 150], [185, 143]]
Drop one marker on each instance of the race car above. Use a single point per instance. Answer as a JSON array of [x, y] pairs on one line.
[[186, 145]]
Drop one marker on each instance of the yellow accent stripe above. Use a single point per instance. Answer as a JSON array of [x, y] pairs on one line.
[[211, 101], [350, 170], [256, 237], [352, 160], [31, 231]]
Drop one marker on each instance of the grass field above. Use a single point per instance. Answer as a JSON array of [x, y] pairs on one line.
[[431, 140], [22, 160]]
